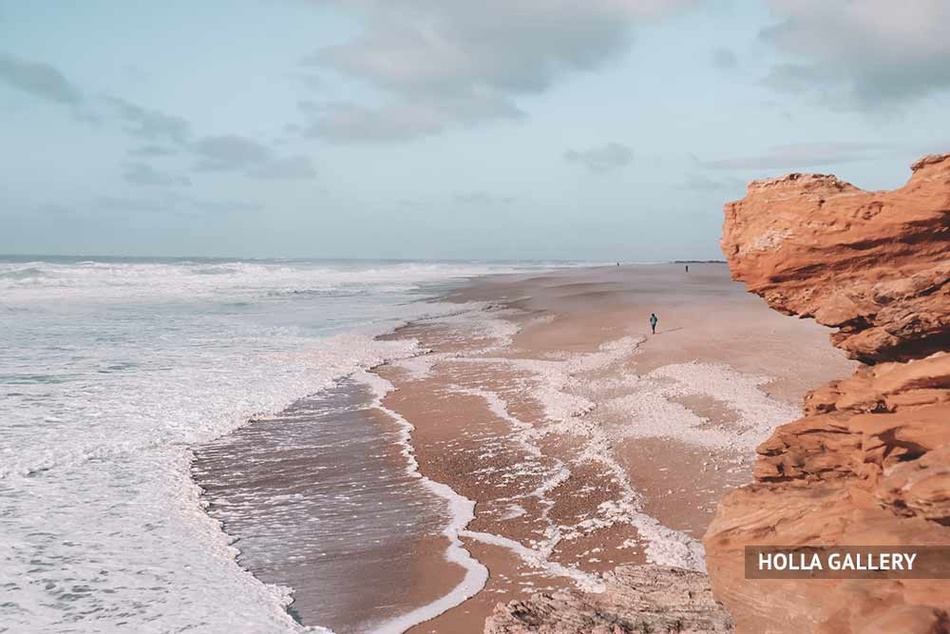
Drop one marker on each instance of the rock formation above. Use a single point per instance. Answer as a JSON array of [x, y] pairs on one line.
[[872, 264], [637, 599], [869, 464]]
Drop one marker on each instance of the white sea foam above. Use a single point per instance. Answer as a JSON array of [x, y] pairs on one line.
[[461, 511], [651, 410], [559, 386], [131, 281], [585, 581], [110, 372], [514, 511], [417, 367], [568, 388]]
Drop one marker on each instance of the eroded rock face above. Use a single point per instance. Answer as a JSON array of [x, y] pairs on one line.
[[637, 599], [869, 464], [872, 264]]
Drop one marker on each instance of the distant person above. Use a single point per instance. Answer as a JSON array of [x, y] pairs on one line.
[[687, 268], [653, 320], [618, 263]]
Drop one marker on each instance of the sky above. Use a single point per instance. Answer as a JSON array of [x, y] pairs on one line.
[[446, 129]]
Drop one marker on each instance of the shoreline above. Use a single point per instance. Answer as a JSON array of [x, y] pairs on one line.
[[462, 512], [289, 594], [529, 325], [537, 367]]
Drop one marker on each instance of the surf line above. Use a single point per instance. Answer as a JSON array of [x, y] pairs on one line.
[[534, 557], [461, 510], [566, 412]]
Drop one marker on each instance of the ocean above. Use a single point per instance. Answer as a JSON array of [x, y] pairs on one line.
[[115, 372]]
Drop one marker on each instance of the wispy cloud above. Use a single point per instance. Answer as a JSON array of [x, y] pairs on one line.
[[229, 152], [347, 122], [38, 79], [150, 125], [232, 152], [138, 173], [602, 159], [153, 151], [444, 64], [288, 168], [159, 134], [867, 54], [724, 58]]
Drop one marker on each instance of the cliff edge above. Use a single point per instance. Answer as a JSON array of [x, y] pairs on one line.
[[869, 463]]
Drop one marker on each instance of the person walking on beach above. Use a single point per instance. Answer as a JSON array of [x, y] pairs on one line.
[[653, 320]]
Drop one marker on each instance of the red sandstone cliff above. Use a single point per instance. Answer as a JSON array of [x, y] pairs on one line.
[[869, 464]]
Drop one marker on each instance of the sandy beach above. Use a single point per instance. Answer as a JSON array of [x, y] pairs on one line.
[[584, 440], [531, 437]]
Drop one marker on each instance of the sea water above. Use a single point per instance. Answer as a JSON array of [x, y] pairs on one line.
[[113, 370]]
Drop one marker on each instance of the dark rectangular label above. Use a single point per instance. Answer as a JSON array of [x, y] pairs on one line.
[[847, 562]]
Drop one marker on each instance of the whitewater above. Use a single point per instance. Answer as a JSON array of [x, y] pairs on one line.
[[112, 370]]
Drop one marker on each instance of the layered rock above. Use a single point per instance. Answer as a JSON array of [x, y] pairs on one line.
[[646, 598], [869, 464], [872, 264]]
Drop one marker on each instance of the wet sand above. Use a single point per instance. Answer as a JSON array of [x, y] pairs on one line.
[[585, 441]]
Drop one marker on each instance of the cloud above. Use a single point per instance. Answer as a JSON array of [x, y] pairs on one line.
[[803, 155], [151, 125], [152, 151], [47, 82], [162, 134], [138, 173], [602, 159], [404, 120], [170, 134], [864, 53], [289, 168], [482, 199], [229, 152], [724, 58], [439, 64], [345, 122], [38, 79]]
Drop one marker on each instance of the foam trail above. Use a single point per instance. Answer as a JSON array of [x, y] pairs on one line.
[[567, 412], [112, 370], [461, 511], [586, 582]]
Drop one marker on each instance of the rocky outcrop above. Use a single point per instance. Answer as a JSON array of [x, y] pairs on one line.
[[637, 599], [872, 264], [869, 463]]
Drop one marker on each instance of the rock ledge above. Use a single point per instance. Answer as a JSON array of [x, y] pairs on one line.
[[869, 464], [637, 599]]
